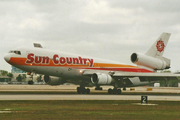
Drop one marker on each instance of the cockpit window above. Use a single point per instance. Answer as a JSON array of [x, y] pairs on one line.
[[16, 52], [11, 51]]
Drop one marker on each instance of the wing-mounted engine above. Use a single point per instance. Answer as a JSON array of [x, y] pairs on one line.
[[51, 80], [101, 79], [156, 63]]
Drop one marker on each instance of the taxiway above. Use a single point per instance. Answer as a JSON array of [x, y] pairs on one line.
[[85, 97]]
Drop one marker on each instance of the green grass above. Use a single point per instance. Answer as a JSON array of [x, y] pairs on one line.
[[104, 110]]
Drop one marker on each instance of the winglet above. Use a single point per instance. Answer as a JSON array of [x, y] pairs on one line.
[[37, 45]]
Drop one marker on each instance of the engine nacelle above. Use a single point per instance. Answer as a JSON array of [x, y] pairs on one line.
[[51, 80], [101, 79], [151, 62]]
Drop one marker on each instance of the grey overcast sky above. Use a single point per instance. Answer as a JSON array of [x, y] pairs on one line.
[[108, 29]]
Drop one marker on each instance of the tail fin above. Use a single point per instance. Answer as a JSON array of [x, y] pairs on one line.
[[157, 49]]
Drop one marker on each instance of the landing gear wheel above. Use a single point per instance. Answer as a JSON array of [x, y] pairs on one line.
[[110, 91], [78, 90], [83, 90], [87, 90], [114, 91], [118, 91], [124, 88]]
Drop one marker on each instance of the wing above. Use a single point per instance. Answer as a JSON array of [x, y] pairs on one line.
[[149, 76]]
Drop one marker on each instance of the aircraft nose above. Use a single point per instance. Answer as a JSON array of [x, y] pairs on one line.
[[7, 57]]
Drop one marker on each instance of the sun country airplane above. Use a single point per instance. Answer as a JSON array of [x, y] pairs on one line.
[[61, 67]]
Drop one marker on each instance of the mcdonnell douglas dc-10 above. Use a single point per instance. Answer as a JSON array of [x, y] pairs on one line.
[[61, 67]]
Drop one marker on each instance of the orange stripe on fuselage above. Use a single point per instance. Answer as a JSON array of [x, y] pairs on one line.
[[113, 65], [96, 66]]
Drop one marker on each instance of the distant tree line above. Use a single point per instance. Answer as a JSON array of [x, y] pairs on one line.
[[6, 73]]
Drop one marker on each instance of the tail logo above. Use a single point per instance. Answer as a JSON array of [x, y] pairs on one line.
[[160, 45]]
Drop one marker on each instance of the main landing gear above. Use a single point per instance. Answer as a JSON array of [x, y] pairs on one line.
[[83, 90], [114, 91]]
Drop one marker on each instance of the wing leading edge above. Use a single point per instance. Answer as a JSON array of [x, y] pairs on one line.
[[150, 76]]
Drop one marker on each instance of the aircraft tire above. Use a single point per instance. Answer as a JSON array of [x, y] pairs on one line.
[[110, 91], [124, 88], [118, 91], [83, 90], [78, 90], [114, 91], [87, 90]]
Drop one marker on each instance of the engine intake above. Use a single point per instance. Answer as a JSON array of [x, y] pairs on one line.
[[51, 80], [101, 79], [158, 63]]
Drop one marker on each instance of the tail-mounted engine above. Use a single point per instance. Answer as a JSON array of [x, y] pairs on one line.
[[156, 63], [101, 79], [51, 80]]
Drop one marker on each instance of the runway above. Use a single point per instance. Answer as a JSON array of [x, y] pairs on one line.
[[68, 92], [85, 97]]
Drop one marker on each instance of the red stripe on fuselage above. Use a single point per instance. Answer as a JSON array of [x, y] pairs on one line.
[[121, 69]]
